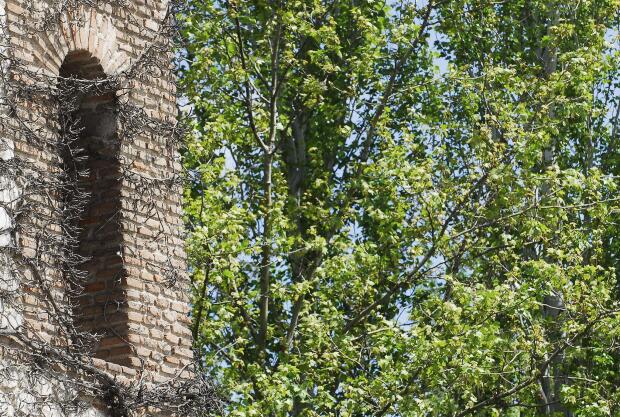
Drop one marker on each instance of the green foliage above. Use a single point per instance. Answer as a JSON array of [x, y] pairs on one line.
[[405, 209]]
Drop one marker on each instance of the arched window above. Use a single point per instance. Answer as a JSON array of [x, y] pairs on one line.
[[91, 166]]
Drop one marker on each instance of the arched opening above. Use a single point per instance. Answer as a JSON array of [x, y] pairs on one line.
[[90, 162]]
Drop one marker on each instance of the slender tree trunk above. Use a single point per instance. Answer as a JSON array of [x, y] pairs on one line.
[[203, 293], [553, 378], [268, 159], [265, 267]]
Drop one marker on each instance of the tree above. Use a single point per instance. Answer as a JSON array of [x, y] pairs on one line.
[[400, 208]]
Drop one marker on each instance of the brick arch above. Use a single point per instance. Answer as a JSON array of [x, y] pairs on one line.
[[81, 29]]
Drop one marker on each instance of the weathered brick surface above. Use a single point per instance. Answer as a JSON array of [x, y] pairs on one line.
[[131, 231]]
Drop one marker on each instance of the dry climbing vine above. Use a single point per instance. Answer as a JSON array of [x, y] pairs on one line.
[[48, 357]]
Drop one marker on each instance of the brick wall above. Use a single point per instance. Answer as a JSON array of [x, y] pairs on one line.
[[134, 292]]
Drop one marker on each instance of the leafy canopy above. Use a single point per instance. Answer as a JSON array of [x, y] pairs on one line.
[[405, 208]]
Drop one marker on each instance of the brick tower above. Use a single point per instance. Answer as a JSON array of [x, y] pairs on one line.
[[93, 289]]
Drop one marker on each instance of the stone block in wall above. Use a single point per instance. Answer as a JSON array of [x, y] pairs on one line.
[[25, 392]]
